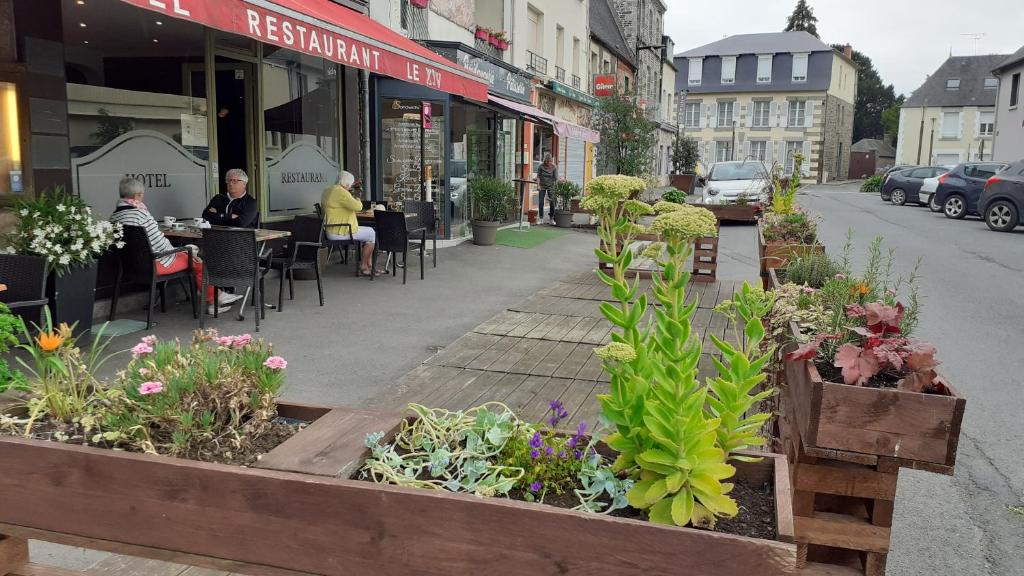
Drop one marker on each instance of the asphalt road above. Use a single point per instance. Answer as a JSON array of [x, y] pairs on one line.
[[972, 281]]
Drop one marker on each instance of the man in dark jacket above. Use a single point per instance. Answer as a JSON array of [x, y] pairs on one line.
[[236, 208]]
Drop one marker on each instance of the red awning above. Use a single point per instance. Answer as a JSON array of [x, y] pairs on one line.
[[563, 128], [331, 31]]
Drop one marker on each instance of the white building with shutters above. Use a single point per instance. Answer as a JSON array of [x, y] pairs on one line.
[[767, 97], [951, 118]]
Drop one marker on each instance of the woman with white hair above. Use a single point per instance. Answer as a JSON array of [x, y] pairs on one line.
[[340, 220], [131, 211]]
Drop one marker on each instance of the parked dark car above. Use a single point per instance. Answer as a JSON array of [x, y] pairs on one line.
[[1002, 201], [889, 172], [960, 188], [903, 186]]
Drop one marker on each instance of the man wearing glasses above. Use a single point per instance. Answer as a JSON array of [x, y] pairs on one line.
[[236, 208]]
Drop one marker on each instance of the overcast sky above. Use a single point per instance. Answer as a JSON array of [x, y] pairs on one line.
[[905, 39]]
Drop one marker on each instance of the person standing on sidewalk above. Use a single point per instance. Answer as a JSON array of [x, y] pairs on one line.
[[547, 175]]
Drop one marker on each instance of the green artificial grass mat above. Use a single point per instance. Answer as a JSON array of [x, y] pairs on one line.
[[531, 238]]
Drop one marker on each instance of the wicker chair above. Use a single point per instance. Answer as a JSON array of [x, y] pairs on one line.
[[393, 237], [426, 217], [231, 260], [138, 266], [302, 253], [25, 277]]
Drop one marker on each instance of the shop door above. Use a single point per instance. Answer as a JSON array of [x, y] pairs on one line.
[[234, 106]]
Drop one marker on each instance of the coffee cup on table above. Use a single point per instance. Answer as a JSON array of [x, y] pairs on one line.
[[169, 220], [197, 222]]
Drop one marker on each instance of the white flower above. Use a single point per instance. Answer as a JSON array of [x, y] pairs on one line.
[[61, 207], [64, 260], [24, 212]]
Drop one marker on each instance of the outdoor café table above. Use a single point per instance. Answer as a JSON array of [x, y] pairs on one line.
[[366, 218], [263, 236]]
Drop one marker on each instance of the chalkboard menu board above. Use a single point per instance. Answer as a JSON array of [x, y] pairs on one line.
[[400, 121]]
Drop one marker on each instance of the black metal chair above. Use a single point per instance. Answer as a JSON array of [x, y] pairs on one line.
[[137, 265], [393, 237], [231, 259], [25, 277], [302, 253], [426, 217]]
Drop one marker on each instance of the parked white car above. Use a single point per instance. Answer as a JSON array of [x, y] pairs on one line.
[[928, 186], [728, 182]]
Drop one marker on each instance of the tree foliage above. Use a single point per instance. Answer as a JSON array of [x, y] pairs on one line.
[[685, 155], [802, 18], [891, 121], [628, 138], [873, 98]]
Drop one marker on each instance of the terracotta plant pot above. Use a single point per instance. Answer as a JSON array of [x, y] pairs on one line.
[[482, 34], [485, 232]]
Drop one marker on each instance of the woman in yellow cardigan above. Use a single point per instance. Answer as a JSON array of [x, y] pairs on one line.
[[340, 207]]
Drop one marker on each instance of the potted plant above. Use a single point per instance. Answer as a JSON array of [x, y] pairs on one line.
[[483, 33], [493, 201], [564, 192], [501, 40], [858, 379], [419, 3], [785, 232], [60, 227], [685, 156]]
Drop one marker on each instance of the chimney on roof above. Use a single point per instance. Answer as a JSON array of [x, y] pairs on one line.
[[848, 51]]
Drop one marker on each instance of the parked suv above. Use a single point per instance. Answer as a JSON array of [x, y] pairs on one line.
[[903, 186], [1002, 201], [960, 188]]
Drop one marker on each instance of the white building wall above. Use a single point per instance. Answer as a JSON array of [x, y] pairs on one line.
[[572, 15], [1009, 139]]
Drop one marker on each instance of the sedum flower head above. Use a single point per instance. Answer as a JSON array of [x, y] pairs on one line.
[[635, 209], [664, 207], [653, 250], [605, 193], [687, 224], [619, 351]]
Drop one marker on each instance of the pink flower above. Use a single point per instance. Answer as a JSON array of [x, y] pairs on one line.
[[149, 340], [147, 388], [840, 276], [225, 341], [276, 363], [243, 340], [140, 349], [143, 372], [807, 290]]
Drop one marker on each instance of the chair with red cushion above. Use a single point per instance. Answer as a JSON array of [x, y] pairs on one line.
[[138, 265]]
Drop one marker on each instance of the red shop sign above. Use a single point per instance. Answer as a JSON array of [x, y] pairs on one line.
[[604, 85]]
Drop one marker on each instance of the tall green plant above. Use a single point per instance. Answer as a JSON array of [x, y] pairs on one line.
[[685, 155], [493, 199], [629, 140], [784, 202]]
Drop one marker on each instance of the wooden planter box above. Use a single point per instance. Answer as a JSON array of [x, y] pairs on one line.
[[733, 212], [705, 259], [278, 521], [885, 422], [778, 254], [683, 182]]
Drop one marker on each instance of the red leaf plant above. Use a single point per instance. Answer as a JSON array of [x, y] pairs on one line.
[[880, 350]]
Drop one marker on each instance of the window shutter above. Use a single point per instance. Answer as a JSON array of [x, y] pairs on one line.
[[960, 126], [809, 114], [784, 114], [780, 154], [977, 123], [773, 118], [713, 149], [743, 116], [712, 116], [768, 154], [805, 170], [746, 149], [942, 126]]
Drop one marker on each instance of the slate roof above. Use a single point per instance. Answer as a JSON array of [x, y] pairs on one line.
[[605, 26], [971, 70], [1016, 58], [880, 148], [767, 43]]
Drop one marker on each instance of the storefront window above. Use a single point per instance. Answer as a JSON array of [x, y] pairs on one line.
[[136, 106], [300, 119], [473, 154], [10, 143], [401, 166]]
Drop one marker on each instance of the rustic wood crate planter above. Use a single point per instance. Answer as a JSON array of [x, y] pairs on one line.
[[777, 254], [298, 512], [733, 212], [705, 259], [922, 430]]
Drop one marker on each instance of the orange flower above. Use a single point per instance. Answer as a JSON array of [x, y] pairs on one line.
[[863, 289], [49, 341]]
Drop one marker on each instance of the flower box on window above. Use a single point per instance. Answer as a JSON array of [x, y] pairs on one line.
[[482, 33], [419, 3]]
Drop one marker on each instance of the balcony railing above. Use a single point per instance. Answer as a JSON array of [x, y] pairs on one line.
[[576, 81], [560, 74], [536, 63], [486, 47]]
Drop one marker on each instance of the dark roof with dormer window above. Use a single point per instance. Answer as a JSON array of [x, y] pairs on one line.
[[971, 71], [605, 26]]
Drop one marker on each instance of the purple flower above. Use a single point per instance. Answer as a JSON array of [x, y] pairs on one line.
[[556, 405], [536, 441], [534, 453], [571, 442], [550, 450], [581, 429], [558, 412], [561, 455], [536, 486], [578, 455]]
